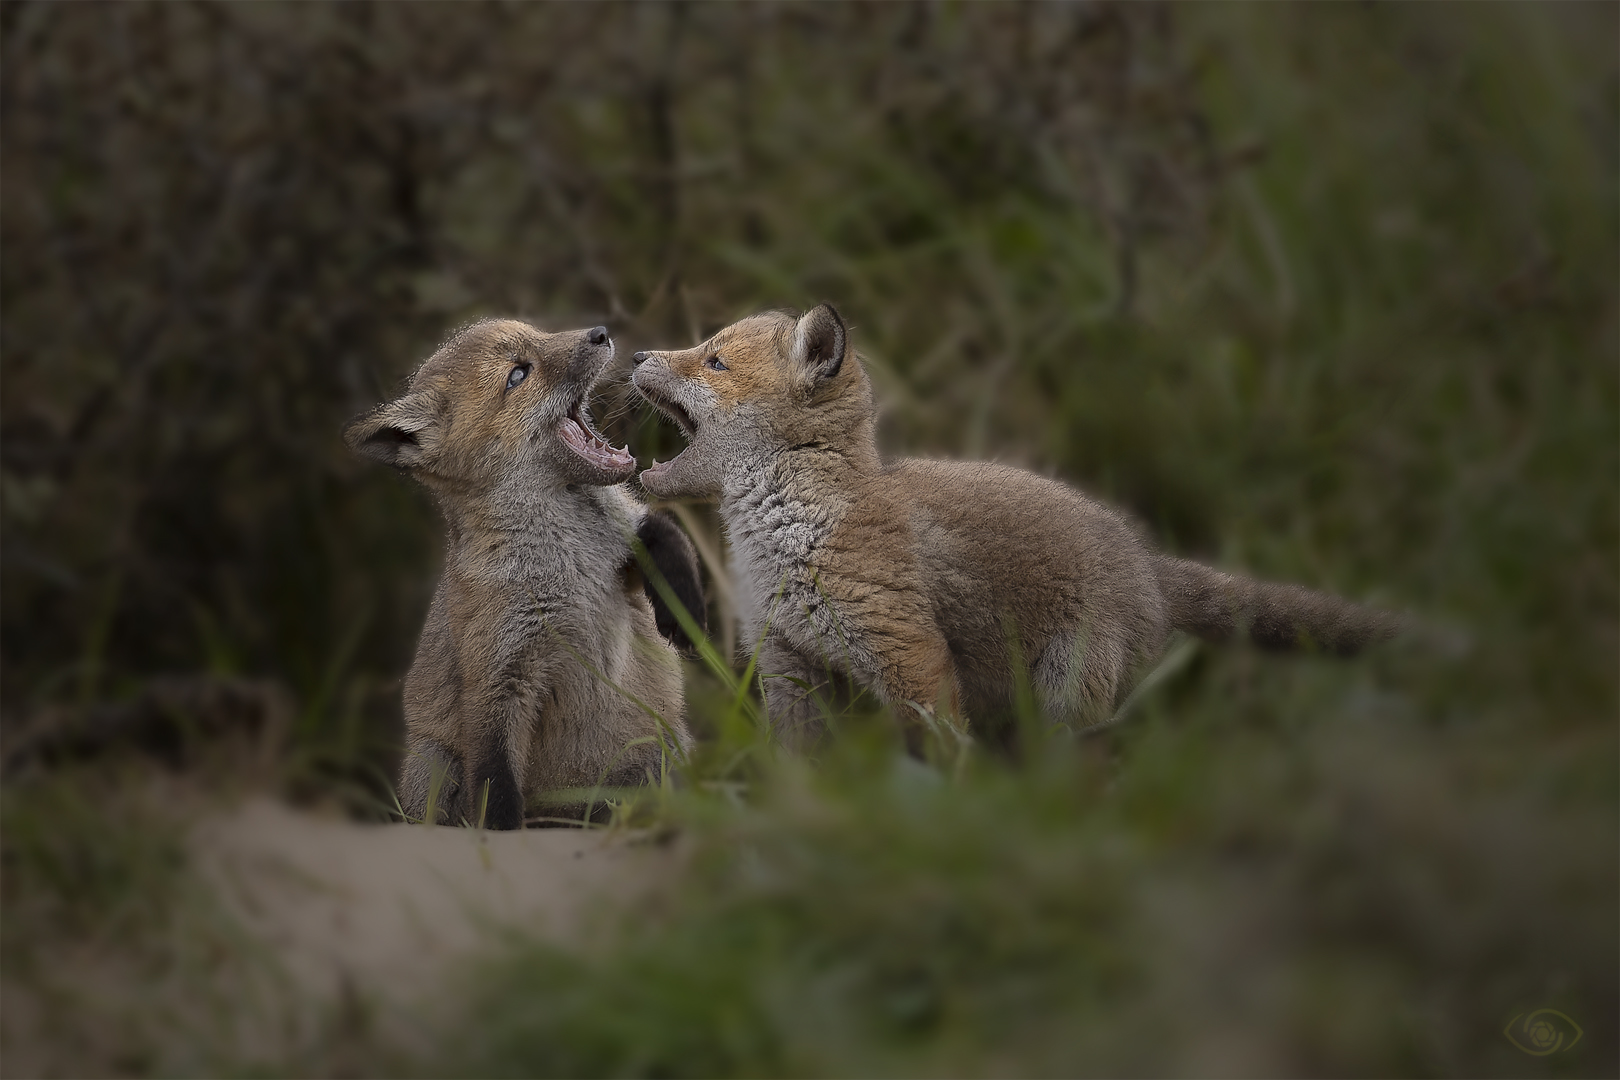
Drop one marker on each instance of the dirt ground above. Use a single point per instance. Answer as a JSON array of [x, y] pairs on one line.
[[309, 937], [386, 909]]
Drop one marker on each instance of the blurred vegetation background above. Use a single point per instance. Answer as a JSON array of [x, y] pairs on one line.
[[1324, 293]]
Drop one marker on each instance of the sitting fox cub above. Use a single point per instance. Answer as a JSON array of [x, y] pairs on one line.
[[539, 608], [912, 577]]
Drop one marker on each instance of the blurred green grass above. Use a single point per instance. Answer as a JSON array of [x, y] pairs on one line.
[[1323, 293]]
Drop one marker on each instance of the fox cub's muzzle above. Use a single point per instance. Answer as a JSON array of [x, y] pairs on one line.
[[591, 357]]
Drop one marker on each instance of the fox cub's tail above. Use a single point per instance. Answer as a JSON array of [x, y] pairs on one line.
[[1218, 606]]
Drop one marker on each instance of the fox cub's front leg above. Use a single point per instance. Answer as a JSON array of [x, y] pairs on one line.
[[492, 773], [799, 692], [473, 782], [919, 669], [431, 772], [672, 555]]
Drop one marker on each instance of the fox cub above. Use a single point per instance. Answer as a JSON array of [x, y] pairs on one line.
[[540, 634], [913, 578]]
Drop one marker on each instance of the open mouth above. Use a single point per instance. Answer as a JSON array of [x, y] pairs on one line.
[[580, 436], [675, 412]]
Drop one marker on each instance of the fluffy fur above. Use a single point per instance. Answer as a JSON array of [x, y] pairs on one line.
[[540, 607], [914, 578]]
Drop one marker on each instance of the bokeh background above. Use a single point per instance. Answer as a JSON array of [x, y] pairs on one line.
[[1326, 293]]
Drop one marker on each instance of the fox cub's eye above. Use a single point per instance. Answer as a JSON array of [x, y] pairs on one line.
[[716, 363], [519, 373]]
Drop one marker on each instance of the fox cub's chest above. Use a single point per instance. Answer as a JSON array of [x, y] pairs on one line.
[[570, 573], [776, 539]]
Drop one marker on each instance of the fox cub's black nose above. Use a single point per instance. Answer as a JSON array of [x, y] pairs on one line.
[[597, 335], [638, 358]]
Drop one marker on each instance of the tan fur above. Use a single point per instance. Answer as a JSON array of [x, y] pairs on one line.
[[538, 609], [915, 579]]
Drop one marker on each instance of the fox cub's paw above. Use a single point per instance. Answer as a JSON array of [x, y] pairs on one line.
[[673, 556]]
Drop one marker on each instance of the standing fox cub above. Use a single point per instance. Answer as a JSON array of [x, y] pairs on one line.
[[913, 578], [540, 634]]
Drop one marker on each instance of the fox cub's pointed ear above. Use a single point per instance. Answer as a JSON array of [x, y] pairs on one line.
[[403, 433], [818, 342]]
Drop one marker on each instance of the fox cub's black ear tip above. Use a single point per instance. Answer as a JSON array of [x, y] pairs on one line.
[[819, 341], [674, 557]]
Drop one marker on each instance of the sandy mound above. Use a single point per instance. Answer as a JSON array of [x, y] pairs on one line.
[[386, 910]]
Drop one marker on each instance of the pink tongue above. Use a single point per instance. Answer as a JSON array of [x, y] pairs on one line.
[[592, 449]]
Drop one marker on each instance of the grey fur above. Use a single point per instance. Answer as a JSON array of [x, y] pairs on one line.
[[914, 578], [539, 636]]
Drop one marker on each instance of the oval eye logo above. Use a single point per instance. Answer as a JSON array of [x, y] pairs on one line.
[[1543, 1032]]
